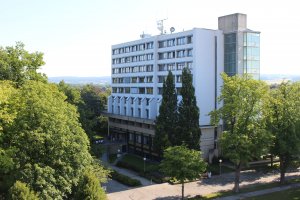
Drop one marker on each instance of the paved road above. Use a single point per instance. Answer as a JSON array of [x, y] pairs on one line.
[[215, 184]]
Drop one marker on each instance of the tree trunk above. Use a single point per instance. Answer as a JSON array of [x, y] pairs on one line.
[[237, 178], [282, 169], [182, 189]]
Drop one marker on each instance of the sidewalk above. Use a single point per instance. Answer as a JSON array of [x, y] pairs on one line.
[[166, 191], [259, 193]]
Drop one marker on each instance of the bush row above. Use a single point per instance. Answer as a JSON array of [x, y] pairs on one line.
[[126, 180]]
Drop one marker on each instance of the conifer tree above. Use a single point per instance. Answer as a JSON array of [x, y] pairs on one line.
[[167, 119], [188, 130]]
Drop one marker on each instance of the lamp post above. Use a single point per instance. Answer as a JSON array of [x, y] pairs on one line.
[[144, 163], [220, 161], [118, 155]]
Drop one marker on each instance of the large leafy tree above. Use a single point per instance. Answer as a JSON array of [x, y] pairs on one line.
[[49, 148], [283, 123], [92, 103], [243, 115], [188, 130], [167, 119], [182, 164], [18, 65]]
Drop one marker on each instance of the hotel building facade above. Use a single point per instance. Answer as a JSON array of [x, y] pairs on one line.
[[140, 67]]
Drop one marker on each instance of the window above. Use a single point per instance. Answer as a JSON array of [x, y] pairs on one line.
[[171, 42], [162, 44], [139, 112], [180, 53], [141, 90], [147, 101], [121, 90], [171, 67], [149, 90], [149, 68], [190, 52], [160, 90], [127, 90], [114, 90], [149, 45], [150, 56], [181, 41], [124, 110], [161, 79], [190, 39], [178, 79], [134, 80], [130, 137], [180, 66], [149, 79], [147, 113], [142, 79], [162, 67], [131, 112], [141, 47]]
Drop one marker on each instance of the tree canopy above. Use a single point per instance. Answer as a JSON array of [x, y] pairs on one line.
[[188, 130], [166, 122], [283, 123], [182, 164], [48, 147], [18, 65], [244, 117]]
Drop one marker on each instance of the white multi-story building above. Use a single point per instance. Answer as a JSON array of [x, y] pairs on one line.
[[140, 67]]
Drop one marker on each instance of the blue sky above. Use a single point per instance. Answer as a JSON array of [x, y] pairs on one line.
[[76, 35]]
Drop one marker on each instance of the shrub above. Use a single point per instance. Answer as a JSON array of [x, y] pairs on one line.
[[126, 180]]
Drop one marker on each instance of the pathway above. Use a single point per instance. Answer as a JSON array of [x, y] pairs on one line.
[[207, 186]]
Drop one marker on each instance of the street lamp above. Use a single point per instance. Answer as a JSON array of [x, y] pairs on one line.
[[144, 163], [118, 155], [220, 161]]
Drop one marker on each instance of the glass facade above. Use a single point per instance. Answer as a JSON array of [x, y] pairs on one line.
[[230, 54], [251, 59]]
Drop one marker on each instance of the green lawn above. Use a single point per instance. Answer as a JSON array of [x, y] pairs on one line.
[[248, 189], [291, 194], [136, 163]]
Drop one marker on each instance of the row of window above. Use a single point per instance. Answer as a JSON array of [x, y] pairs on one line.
[[131, 99], [162, 79], [176, 54], [173, 66], [140, 79], [143, 57], [178, 41], [133, 48], [149, 68], [138, 139], [133, 90], [131, 113], [135, 69]]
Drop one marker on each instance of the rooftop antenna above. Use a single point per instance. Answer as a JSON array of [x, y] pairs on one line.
[[160, 25]]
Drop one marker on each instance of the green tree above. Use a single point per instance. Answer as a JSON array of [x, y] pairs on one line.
[[188, 130], [20, 191], [18, 65], [182, 164], [89, 187], [167, 118], [283, 123], [51, 150], [243, 115], [72, 93]]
